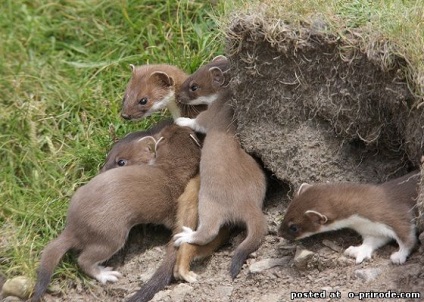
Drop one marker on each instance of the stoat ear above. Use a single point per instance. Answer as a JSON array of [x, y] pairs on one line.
[[218, 77], [162, 78], [148, 144], [132, 68], [303, 187], [316, 217], [219, 58]]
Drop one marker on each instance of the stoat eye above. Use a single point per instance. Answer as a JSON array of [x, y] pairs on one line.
[[293, 228], [143, 101], [194, 87], [121, 162]]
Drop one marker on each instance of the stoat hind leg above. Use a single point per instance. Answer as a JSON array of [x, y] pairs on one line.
[[188, 252], [405, 248]]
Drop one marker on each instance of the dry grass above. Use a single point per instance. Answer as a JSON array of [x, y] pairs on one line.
[[384, 30]]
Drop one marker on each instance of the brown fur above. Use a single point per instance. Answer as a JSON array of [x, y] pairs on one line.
[[152, 88], [198, 85], [232, 183], [119, 196], [187, 215], [129, 150], [390, 203]]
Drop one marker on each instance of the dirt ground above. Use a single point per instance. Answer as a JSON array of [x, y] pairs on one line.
[[327, 272]]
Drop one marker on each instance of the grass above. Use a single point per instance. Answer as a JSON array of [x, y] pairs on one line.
[[63, 68], [374, 22]]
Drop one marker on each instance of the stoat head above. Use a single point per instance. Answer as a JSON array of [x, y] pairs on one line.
[[204, 85], [302, 218], [176, 144], [150, 89], [131, 150]]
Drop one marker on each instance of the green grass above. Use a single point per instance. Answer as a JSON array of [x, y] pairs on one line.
[[64, 66]]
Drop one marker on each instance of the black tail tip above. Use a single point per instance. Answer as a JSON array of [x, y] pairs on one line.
[[236, 265]]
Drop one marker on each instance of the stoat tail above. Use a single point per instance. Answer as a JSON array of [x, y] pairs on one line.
[[256, 231], [50, 258], [161, 278]]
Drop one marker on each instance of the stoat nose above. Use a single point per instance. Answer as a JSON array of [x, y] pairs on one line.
[[125, 116]]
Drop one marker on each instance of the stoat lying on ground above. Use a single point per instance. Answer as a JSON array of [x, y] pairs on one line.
[[379, 213]]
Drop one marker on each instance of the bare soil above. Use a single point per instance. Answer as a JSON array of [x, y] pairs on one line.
[[329, 272]]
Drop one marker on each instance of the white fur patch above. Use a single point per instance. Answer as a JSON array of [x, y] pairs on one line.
[[374, 234], [191, 123], [205, 100], [186, 236], [107, 274], [362, 225], [400, 256], [161, 104]]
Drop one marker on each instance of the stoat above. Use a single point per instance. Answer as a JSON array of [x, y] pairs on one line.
[[152, 88], [233, 185], [102, 212], [135, 148], [379, 213]]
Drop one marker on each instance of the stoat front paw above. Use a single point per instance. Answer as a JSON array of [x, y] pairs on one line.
[[184, 122], [184, 236], [107, 274], [361, 253]]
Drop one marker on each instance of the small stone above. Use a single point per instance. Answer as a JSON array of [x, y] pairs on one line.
[[332, 245], [180, 291], [345, 261], [368, 274], [303, 259], [260, 266], [11, 299], [163, 295], [223, 293], [421, 238], [2, 279], [20, 286], [270, 298]]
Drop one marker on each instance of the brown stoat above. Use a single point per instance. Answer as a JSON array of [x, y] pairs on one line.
[[102, 212], [233, 185], [152, 88], [379, 213], [187, 215], [178, 263], [135, 148]]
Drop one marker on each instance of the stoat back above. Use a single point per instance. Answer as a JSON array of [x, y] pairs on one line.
[[403, 190], [389, 203]]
